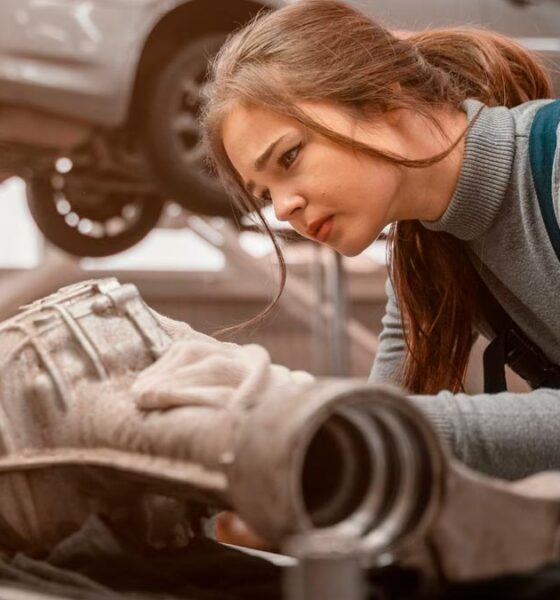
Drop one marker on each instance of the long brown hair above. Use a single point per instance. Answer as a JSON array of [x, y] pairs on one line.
[[326, 50]]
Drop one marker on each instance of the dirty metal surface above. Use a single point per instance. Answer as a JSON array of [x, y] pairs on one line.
[[121, 429]]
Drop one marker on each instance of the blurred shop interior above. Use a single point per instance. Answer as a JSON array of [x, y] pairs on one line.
[[103, 174], [203, 271], [87, 108]]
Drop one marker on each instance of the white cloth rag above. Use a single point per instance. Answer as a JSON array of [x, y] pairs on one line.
[[198, 370]]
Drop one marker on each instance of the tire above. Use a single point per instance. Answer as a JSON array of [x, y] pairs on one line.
[[66, 225], [172, 132]]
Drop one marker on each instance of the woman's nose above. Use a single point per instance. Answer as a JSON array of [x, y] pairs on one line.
[[286, 206]]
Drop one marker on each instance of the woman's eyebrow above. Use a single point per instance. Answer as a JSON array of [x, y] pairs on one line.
[[260, 161]]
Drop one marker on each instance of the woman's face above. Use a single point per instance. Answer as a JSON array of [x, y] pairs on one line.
[[326, 191]]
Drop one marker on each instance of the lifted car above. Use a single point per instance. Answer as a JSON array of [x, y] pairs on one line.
[[99, 101], [98, 112]]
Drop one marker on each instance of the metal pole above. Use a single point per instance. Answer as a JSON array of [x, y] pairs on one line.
[[318, 324], [336, 292]]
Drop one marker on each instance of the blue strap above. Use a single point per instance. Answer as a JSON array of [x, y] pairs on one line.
[[510, 345], [542, 147]]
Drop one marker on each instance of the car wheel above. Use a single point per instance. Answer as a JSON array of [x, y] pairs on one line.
[[173, 140], [90, 223]]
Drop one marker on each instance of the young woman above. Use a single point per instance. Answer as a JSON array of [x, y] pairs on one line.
[[346, 128]]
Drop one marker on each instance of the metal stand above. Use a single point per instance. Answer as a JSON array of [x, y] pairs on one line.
[[330, 339], [336, 293], [319, 332]]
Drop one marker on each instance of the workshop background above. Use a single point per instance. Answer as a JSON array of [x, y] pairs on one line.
[[103, 173]]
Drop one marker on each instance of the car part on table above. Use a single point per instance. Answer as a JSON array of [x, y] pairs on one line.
[[102, 411]]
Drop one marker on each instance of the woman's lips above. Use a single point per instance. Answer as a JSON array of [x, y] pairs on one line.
[[324, 230]]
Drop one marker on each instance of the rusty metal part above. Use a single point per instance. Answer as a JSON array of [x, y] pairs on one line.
[[68, 363], [335, 459]]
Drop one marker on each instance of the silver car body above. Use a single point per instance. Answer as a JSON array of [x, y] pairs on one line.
[[77, 58]]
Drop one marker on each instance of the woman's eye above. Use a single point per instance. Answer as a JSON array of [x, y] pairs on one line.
[[288, 157]]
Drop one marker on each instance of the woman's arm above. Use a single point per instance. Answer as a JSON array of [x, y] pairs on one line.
[[390, 355], [507, 435]]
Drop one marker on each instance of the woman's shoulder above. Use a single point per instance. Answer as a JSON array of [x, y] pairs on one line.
[[524, 114]]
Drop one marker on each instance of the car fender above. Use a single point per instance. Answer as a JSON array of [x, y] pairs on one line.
[[156, 11], [74, 58], [70, 57]]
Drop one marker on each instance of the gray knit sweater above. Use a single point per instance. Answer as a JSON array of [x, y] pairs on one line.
[[495, 211]]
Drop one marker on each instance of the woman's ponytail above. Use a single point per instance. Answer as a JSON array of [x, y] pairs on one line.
[[484, 65], [434, 280]]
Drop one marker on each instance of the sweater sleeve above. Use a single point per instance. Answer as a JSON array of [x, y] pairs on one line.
[[556, 179], [507, 435], [390, 355]]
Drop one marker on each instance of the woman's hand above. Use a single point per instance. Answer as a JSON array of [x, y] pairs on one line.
[[230, 529]]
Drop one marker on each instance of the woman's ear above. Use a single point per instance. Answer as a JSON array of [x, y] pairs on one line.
[[394, 116]]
